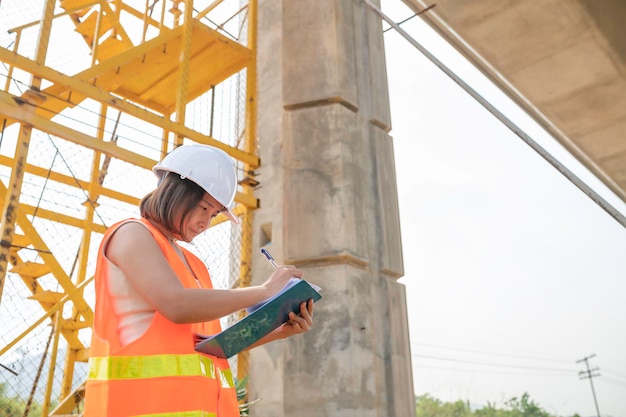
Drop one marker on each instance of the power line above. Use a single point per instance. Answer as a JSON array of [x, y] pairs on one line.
[[614, 375], [535, 368], [497, 372], [507, 355], [590, 374], [613, 381]]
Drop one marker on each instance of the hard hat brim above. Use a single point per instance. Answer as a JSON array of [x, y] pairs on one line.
[[231, 216]]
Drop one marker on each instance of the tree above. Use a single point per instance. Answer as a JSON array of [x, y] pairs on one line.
[[14, 407], [525, 407], [8, 406], [427, 406]]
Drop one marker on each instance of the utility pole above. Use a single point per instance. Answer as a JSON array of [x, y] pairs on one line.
[[590, 373]]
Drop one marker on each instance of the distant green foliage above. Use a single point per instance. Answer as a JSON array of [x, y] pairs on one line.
[[14, 407], [427, 406]]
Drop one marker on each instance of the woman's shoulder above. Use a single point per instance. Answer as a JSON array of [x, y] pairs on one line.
[[129, 234], [131, 227]]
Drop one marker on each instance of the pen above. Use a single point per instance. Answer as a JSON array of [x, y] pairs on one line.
[[269, 258]]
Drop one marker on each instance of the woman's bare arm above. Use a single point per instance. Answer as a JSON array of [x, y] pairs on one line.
[[133, 249]]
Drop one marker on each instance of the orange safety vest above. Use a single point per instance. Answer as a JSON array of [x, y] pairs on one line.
[[159, 374]]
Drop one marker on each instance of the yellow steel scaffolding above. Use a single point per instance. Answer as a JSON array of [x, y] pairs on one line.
[[93, 93]]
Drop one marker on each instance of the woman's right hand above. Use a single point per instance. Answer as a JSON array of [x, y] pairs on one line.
[[280, 277]]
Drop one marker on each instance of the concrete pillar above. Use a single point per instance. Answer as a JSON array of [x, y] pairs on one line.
[[329, 205]]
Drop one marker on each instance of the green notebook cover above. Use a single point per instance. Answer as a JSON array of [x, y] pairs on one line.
[[269, 316]]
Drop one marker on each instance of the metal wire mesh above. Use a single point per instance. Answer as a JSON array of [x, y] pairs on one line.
[[56, 197]]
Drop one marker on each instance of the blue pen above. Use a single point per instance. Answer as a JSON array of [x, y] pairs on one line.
[[269, 258]]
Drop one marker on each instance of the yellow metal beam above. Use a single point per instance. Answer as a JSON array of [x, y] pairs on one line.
[[75, 182], [52, 310], [45, 254], [143, 16], [49, 304], [70, 402], [9, 106], [10, 206], [58, 317], [72, 9], [17, 109], [77, 83], [250, 145], [61, 218], [182, 85], [72, 181]]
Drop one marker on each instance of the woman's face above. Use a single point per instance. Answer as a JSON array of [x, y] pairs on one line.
[[199, 219]]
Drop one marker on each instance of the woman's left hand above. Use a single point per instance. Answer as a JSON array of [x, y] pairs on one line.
[[298, 323]]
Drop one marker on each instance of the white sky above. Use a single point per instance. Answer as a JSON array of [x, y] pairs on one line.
[[512, 273]]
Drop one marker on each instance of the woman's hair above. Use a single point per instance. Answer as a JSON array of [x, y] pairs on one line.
[[173, 197]]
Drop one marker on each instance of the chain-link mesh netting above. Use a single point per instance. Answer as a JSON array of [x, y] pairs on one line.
[[61, 208]]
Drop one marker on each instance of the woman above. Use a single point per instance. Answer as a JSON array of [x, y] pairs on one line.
[[152, 296]]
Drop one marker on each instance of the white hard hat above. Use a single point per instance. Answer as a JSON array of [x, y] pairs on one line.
[[209, 167]]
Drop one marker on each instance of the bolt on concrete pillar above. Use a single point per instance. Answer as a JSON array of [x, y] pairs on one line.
[[329, 206]]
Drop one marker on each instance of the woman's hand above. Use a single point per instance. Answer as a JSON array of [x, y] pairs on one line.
[[298, 323], [279, 278]]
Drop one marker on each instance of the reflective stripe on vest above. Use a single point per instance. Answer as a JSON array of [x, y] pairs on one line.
[[155, 366], [226, 378]]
